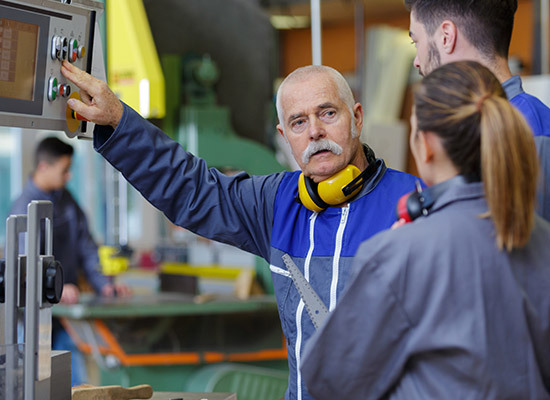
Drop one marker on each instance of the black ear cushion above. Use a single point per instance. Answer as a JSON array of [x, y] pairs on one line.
[[311, 187], [415, 205]]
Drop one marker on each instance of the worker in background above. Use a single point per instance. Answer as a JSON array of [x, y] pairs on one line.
[[453, 30], [73, 245], [454, 305], [321, 122]]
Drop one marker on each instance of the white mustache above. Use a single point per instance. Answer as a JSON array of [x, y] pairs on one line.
[[320, 145]]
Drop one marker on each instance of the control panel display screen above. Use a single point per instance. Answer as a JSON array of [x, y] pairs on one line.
[[18, 51]]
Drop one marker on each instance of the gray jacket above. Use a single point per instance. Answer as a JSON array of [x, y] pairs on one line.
[[435, 311]]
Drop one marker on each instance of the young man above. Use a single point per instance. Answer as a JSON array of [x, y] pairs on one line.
[[73, 245], [454, 30], [321, 123]]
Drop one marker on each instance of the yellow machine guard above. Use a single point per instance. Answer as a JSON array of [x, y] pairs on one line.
[[133, 67]]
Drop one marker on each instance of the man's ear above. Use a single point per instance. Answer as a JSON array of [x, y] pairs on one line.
[[448, 36], [280, 129], [358, 116], [41, 166]]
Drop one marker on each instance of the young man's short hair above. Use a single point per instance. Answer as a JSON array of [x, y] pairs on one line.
[[487, 24], [51, 149]]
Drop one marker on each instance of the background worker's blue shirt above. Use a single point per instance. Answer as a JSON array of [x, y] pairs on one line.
[[73, 246], [257, 214]]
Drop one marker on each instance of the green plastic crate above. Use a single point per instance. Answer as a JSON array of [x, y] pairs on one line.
[[249, 382]]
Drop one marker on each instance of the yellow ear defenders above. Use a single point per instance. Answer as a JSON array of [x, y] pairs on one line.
[[336, 189]]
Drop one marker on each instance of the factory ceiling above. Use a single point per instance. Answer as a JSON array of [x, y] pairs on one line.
[[333, 11]]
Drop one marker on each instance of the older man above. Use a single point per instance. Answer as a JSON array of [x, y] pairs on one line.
[[260, 214], [453, 30]]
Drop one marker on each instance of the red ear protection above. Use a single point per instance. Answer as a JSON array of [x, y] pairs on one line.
[[417, 203], [412, 205]]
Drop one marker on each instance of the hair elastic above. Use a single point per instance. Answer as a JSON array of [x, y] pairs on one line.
[[480, 101]]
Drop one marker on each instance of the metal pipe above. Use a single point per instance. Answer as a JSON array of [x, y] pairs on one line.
[[15, 225], [109, 205], [36, 381], [544, 60], [316, 32], [359, 48], [122, 210]]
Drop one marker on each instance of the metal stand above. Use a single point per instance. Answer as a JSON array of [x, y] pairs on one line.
[[35, 282], [15, 267]]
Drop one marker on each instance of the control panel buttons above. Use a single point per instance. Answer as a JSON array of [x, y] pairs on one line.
[[52, 88], [64, 48], [60, 48], [81, 51], [56, 47], [73, 119], [73, 50], [63, 90]]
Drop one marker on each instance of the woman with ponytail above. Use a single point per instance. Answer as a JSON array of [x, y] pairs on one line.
[[455, 305]]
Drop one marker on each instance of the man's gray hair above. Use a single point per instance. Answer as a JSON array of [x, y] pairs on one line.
[[301, 73]]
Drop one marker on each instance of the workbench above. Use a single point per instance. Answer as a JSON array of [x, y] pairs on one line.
[[163, 339]]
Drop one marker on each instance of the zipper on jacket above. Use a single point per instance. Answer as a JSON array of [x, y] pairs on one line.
[[336, 258], [300, 309]]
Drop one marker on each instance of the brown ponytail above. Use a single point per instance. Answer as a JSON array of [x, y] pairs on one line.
[[509, 171], [484, 135]]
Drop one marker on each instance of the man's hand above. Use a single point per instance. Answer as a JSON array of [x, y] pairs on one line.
[[117, 289], [70, 294], [99, 104]]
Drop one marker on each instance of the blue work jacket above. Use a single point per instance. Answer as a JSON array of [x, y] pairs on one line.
[[537, 116]]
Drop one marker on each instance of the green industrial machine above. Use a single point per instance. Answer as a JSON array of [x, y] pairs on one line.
[[202, 126]]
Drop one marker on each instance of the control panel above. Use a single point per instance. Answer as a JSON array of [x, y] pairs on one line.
[[35, 37]]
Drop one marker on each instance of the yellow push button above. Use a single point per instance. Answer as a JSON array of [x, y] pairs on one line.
[[73, 119]]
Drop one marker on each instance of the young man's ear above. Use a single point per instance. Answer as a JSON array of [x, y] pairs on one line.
[[448, 36]]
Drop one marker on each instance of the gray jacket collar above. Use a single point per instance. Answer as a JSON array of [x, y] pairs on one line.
[[459, 192], [512, 87]]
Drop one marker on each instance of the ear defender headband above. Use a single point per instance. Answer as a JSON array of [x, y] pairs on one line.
[[338, 188]]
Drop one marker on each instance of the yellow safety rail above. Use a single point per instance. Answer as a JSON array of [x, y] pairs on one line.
[[204, 271]]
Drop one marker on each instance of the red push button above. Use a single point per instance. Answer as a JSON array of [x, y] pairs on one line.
[[64, 90], [73, 50], [77, 116]]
